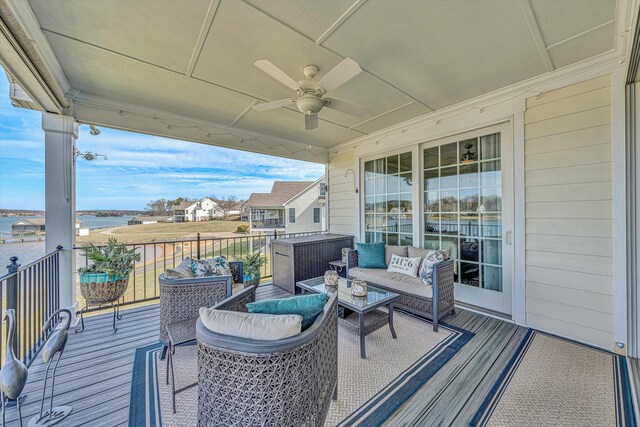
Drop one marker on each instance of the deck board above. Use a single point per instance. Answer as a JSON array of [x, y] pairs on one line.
[[94, 376]]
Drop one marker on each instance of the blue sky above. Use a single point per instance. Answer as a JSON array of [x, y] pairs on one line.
[[139, 168]]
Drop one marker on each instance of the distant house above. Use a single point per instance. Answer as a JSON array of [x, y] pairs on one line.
[[203, 210], [31, 225], [37, 225], [291, 206], [239, 209], [142, 219]]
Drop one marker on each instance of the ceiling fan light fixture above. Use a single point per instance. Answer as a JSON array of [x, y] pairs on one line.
[[309, 104], [469, 156]]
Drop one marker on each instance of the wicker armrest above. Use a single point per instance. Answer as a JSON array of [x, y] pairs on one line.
[[180, 299], [237, 272], [443, 280], [239, 301]]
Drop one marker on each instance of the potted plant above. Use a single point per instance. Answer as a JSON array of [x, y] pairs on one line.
[[251, 265], [105, 280]]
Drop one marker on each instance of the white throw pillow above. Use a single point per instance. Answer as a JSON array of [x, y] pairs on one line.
[[404, 265], [426, 269], [253, 326]]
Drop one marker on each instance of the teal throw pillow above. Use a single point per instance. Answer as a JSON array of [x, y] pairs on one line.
[[371, 255], [307, 306]]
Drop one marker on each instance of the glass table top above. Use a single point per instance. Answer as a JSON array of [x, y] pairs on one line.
[[375, 296]]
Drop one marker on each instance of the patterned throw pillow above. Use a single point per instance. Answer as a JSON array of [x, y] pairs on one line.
[[216, 266], [432, 258], [404, 265]]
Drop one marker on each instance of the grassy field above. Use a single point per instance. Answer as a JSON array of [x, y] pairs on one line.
[[164, 231]]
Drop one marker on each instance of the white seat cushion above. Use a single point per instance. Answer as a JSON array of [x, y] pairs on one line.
[[253, 326], [393, 281]]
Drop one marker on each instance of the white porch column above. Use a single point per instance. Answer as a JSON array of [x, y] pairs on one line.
[[60, 134]]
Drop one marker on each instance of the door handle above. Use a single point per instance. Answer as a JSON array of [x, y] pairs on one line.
[[507, 237]]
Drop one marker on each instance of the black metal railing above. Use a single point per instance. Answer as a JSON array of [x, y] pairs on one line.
[[33, 291], [156, 257]]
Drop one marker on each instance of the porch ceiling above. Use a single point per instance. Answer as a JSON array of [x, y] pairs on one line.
[[195, 58]]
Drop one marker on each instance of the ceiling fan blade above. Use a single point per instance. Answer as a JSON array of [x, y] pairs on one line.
[[346, 107], [339, 75], [272, 104], [277, 73], [310, 121]]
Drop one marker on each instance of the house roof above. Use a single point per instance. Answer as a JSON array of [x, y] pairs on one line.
[[282, 192], [32, 221], [183, 205]]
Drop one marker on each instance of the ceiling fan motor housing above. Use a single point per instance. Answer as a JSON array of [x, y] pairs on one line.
[[309, 104]]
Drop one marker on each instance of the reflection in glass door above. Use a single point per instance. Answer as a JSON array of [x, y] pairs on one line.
[[463, 208]]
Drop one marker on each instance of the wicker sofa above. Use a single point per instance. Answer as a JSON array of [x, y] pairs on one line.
[[430, 301], [180, 299], [288, 382]]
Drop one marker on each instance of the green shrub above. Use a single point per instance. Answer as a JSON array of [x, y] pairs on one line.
[[242, 228]]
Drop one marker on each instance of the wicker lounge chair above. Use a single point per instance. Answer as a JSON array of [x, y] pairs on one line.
[[180, 299], [284, 383], [438, 303]]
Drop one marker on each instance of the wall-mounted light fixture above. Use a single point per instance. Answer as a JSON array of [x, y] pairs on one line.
[[94, 130], [88, 155]]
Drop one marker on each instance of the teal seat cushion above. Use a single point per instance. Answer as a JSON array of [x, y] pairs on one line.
[[371, 255], [307, 306]]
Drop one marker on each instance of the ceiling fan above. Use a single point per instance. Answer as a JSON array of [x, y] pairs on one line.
[[309, 99]]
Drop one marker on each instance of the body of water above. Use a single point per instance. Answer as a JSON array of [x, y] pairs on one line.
[[31, 251]]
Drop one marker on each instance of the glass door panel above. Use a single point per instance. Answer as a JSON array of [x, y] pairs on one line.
[[463, 208], [388, 200]]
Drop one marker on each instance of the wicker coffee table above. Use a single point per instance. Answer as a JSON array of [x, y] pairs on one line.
[[361, 312]]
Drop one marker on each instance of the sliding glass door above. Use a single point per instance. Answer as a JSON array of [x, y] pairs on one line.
[[467, 212]]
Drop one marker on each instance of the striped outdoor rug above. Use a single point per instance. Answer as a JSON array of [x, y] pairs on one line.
[[369, 390], [551, 381]]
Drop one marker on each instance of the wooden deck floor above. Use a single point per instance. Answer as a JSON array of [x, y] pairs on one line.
[[94, 376]]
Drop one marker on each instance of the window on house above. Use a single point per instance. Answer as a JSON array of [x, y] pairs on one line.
[[388, 200], [292, 215], [316, 215]]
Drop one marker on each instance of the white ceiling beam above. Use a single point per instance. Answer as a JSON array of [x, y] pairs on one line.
[[354, 7], [244, 112], [584, 33], [18, 65], [380, 115], [534, 28], [100, 111], [202, 37], [625, 21]]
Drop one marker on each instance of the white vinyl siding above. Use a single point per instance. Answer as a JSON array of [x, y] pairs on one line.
[[304, 205], [569, 226], [342, 195]]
